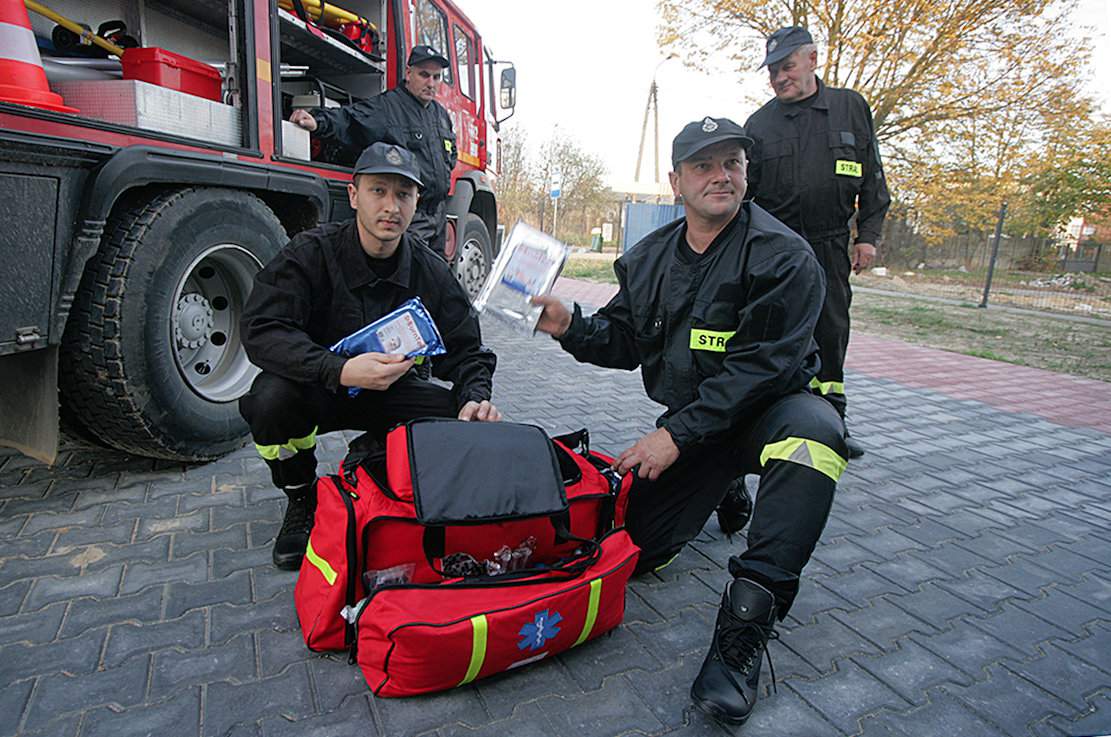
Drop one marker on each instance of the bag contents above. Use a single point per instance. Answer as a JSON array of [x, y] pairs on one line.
[[402, 573]]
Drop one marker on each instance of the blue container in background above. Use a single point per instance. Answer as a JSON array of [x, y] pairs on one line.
[[641, 218]]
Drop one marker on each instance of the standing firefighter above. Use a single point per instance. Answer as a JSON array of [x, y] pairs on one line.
[[327, 283], [815, 165], [408, 116], [718, 311]]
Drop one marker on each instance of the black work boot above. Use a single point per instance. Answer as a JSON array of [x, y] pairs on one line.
[[727, 686], [856, 450], [735, 509], [293, 538]]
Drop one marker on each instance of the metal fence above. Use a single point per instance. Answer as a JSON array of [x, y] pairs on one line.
[[980, 269]]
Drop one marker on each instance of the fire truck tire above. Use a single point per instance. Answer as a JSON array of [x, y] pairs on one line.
[[474, 256], [152, 359]]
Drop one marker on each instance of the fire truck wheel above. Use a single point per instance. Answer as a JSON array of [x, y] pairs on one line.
[[474, 256], [152, 358]]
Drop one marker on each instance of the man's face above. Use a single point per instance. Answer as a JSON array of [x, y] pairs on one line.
[[384, 205], [794, 79], [712, 182], [423, 80]]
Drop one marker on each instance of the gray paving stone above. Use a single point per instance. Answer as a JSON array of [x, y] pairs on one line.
[[527, 721], [62, 694], [786, 713], [13, 700], [945, 716], [150, 525], [352, 719], [843, 555], [31, 546], [1018, 628], [226, 562], [851, 694], [188, 542], [911, 670], [1066, 677], [982, 590], [87, 613], [883, 623], [414, 716], [60, 520], [33, 628], [1005, 698], [129, 640], [334, 681], [825, 640], [1093, 722], [813, 598], [1067, 612], [934, 605], [286, 696], [229, 620], [611, 709], [177, 715], [119, 533], [862, 585], [233, 661], [181, 597], [103, 583], [1091, 589], [277, 651], [688, 631], [140, 575]]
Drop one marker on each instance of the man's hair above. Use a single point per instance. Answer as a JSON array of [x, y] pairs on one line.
[[805, 50]]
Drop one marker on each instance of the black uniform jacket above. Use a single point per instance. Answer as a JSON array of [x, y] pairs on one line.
[[320, 288], [718, 340], [397, 117], [815, 161]]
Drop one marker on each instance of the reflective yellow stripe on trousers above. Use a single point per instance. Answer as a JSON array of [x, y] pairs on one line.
[[806, 452], [287, 449], [827, 387]]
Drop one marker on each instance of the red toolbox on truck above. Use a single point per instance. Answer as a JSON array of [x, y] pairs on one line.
[[174, 71]]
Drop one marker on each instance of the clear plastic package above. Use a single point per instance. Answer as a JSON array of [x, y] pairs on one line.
[[527, 267]]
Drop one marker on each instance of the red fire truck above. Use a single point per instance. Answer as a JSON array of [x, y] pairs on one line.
[[137, 211]]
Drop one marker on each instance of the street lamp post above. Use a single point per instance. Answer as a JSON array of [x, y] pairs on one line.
[[653, 106]]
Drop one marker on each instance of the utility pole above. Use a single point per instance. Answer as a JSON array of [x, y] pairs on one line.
[[652, 106]]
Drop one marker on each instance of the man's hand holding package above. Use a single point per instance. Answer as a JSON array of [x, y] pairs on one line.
[[375, 371]]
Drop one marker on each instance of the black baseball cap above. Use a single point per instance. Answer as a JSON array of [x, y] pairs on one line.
[[422, 53], [783, 43], [386, 158], [699, 134]]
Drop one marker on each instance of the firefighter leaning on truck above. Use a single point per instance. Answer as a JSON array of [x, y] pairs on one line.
[[409, 116], [327, 283], [718, 311]]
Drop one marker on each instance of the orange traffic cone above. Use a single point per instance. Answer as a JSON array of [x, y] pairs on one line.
[[20, 63]]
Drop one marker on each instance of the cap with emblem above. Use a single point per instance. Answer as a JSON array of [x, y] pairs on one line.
[[783, 43], [699, 134], [422, 53], [386, 158]]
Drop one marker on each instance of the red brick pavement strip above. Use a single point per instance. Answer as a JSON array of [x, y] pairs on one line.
[[1066, 400]]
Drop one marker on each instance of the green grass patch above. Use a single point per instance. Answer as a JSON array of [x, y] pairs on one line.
[[590, 270]]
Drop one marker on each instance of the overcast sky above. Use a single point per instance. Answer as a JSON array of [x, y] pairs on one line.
[[586, 66]]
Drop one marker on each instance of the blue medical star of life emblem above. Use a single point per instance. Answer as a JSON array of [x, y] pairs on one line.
[[542, 628]]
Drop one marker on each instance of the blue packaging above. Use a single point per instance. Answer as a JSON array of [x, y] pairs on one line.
[[409, 331]]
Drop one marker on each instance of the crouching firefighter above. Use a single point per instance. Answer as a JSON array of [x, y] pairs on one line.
[[327, 283], [718, 311]]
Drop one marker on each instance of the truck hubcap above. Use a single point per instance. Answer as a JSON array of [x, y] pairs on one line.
[[207, 306], [470, 267]]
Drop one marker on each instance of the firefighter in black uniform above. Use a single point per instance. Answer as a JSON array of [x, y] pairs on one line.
[[327, 283], [815, 164], [718, 311], [408, 116]]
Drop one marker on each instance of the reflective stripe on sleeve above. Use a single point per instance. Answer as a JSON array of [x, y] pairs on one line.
[[806, 452]]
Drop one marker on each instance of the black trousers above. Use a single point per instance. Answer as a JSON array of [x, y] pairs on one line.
[[430, 225], [285, 418], [832, 331], [798, 449]]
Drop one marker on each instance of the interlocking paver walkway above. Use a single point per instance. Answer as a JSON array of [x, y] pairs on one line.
[[962, 586]]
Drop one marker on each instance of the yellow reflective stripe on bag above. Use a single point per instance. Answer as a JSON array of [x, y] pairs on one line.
[[322, 565], [827, 387], [710, 340], [287, 449], [591, 611], [848, 168], [479, 629], [806, 452]]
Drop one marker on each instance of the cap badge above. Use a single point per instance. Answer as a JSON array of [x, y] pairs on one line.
[[394, 156], [772, 43], [709, 125]]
